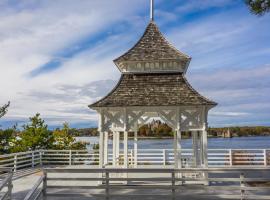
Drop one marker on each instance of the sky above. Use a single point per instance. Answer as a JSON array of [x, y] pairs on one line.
[[56, 56]]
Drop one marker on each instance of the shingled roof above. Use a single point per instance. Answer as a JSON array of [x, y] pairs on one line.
[[163, 89], [152, 47]]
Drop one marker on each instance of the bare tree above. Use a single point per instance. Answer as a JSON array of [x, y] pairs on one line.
[[4, 109]]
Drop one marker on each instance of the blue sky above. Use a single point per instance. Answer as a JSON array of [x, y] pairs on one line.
[[56, 56]]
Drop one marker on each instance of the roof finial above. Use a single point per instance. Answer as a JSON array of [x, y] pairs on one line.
[[152, 10]]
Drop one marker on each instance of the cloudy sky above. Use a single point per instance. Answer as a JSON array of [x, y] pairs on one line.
[[56, 56]]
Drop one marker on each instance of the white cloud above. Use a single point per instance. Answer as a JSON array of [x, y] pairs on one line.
[[229, 114], [33, 33]]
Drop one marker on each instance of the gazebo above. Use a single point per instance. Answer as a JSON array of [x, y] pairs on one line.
[[152, 85]]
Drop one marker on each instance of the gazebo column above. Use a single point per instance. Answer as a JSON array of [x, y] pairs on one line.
[[178, 153], [195, 148], [205, 154], [106, 143], [114, 149], [204, 138], [201, 148], [101, 139], [177, 142], [177, 150], [135, 152], [117, 148], [205, 143], [125, 149], [101, 149], [205, 148], [125, 138]]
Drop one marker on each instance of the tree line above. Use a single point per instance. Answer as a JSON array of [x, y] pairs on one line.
[[35, 135], [157, 129]]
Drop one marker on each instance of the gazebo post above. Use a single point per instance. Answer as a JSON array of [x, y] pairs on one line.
[[101, 138], [101, 153], [101, 142], [125, 138], [205, 143], [201, 148], [175, 150], [179, 148], [106, 137], [195, 148], [117, 148], [204, 140], [135, 146], [114, 149], [177, 142], [125, 149], [126, 154], [205, 159], [205, 156], [101, 149]]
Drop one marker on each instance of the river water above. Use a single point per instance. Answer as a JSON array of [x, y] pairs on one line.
[[260, 142]]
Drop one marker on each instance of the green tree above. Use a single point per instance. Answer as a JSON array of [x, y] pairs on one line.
[[258, 7], [7, 138], [62, 139], [35, 135], [4, 109]]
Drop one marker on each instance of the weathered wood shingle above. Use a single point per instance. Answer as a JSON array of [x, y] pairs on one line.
[[152, 47], [170, 89]]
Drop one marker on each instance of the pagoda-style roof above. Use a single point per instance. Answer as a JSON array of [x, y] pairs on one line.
[[164, 89], [153, 75], [152, 48]]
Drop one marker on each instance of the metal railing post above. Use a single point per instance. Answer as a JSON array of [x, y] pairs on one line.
[[15, 162]]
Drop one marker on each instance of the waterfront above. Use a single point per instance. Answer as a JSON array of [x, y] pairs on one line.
[[259, 142]]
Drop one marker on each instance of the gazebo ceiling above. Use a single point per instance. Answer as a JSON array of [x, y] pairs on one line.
[[164, 89]]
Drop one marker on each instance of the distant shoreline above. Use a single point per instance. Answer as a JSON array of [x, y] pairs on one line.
[[162, 131], [184, 138]]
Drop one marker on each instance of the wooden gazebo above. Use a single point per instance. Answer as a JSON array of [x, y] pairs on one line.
[[153, 85]]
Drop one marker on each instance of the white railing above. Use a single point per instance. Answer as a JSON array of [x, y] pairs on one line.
[[216, 158], [70, 157], [6, 183], [236, 183], [21, 160]]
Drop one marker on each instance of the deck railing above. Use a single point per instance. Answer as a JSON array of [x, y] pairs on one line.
[[236, 183], [5, 183], [21, 160], [216, 158]]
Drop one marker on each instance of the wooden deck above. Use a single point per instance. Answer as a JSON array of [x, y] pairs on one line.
[[83, 182]]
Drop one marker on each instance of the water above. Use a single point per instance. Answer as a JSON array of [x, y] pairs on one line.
[[261, 142]]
